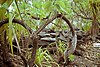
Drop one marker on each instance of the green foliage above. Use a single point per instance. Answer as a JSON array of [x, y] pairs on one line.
[[86, 26], [41, 9], [39, 56], [2, 13], [42, 55], [48, 6], [6, 3], [10, 32], [71, 57], [9, 2], [3, 9], [94, 6], [61, 46], [60, 6], [63, 6], [98, 55]]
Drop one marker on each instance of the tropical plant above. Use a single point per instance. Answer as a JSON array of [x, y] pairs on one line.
[[35, 15]]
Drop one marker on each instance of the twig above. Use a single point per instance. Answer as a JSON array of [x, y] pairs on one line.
[[18, 10], [84, 16], [37, 18]]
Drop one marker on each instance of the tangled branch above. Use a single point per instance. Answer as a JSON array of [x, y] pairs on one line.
[[35, 34]]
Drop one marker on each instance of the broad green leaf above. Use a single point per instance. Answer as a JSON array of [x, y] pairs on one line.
[[42, 14], [37, 4], [10, 31], [61, 3], [62, 9], [47, 6], [61, 6]]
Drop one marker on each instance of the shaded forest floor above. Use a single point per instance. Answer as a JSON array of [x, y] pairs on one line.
[[86, 55]]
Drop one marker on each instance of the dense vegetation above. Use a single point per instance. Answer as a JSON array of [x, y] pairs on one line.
[[49, 33]]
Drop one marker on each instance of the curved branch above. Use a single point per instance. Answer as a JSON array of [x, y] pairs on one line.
[[5, 21], [68, 22], [53, 18], [34, 37], [74, 40], [44, 25]]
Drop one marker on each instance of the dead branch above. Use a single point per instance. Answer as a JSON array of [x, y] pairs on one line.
[[33, 54]]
